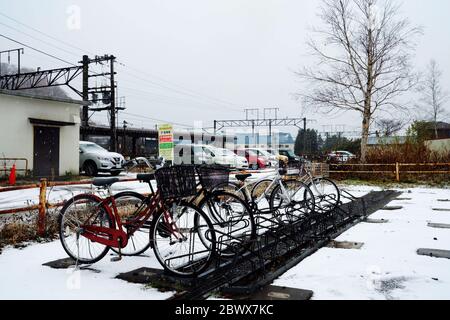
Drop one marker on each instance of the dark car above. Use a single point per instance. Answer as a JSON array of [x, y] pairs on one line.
[[293, 159]]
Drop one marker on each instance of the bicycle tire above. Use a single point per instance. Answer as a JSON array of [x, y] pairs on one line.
[[160, 232], [297, 206], [333, 186], [62, 229], [230, 243], [135, 246]]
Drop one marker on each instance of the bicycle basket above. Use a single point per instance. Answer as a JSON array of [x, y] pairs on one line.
[[213, 176], [176, 182]]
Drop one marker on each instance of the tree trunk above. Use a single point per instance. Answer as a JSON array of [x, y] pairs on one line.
[[365, 130]]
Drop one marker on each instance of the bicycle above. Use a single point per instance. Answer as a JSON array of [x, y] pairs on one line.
[[233, 220], [90, 226], [326, 192], [287, 199]]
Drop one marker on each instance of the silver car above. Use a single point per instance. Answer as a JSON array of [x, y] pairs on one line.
[[95, 159]]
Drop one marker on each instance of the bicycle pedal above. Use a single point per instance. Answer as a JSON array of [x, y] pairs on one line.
[[116, 259]]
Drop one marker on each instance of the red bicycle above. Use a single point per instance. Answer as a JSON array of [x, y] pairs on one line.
[[90, 226]]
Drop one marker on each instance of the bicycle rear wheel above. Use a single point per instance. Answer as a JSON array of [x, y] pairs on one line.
[[80, 211], [176, 240], [233, 222], [129, 206]]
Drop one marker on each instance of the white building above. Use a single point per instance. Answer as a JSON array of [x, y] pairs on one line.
[[43, 130]]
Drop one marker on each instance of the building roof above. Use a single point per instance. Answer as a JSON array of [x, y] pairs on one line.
[[374, 141], [22, 94], [283, 138]]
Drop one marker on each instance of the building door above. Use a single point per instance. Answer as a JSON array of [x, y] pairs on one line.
[[46, 151]]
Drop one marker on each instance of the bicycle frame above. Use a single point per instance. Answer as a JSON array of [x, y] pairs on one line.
[[116, 237]]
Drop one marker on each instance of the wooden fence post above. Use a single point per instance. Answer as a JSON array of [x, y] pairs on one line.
[[42, 207], [397, 171]]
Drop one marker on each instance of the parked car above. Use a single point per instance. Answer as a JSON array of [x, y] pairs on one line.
[[95, 159], [341, 156], [196, 154], [255, 161], [225, 157], [278, 156], [272, 159], [293, 159]]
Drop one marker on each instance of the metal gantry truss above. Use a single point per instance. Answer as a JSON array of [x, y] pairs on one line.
[[252, 123], [41, 79]]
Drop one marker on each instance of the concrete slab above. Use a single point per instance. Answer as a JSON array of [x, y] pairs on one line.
[[368, 220], [345, 245], [443, 200], [441, 209], [445, 254], [155, 278], [392, 208], [67, 263], [439, 225], [61, 263], [282, 293]]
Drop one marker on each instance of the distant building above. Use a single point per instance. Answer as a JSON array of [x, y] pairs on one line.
[[383, 141], [443, 130], [280, 140], [42, 130]]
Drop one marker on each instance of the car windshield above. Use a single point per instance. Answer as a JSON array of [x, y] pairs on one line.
[[290, 153], [92, 147]]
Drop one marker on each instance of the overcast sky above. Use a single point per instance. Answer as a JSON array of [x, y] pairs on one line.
[[200, 60]]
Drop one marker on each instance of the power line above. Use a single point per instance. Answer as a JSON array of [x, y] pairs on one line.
[[43, 41], [37, 50], [46, 34]]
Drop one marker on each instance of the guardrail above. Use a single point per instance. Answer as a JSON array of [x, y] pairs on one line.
[[395, 169], [43, 205], [6, 169]]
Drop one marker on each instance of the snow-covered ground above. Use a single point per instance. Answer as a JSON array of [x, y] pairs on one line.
[[387, 266]]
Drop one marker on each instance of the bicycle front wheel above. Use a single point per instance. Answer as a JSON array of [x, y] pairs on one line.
[[291, 201], [177, 243], [326, 193], [79, 212]]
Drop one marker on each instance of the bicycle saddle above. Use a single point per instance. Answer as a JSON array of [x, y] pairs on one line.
[[104, 182], [147, 177], [243, 177]]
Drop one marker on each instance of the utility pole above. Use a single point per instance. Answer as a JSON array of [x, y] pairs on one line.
[[304, 135], [85, 112], [113, 106], [19, 51]]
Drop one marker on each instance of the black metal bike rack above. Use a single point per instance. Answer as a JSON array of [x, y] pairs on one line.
[[280, 247]]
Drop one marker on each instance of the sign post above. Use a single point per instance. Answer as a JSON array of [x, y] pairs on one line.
[[165, 136]]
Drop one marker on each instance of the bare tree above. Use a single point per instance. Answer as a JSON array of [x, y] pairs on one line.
[[363, 59], [433, 97], [389, 127]]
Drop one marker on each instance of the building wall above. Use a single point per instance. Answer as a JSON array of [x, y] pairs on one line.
[[440, 146], [17, 133]]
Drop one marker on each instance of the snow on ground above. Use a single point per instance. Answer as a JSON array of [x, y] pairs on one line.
[[22, 276], [387, 266]]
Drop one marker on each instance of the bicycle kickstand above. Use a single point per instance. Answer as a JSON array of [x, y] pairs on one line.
[[119, 257]]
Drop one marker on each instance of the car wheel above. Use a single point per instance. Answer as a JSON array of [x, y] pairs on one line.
[[90, 168], [254, 167]]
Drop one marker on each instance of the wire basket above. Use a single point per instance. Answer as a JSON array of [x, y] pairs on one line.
[[213, 176], [318, 169], [176, 182]]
